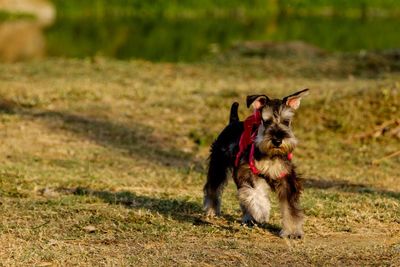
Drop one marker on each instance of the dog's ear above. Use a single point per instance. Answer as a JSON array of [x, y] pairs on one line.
[[293, 100], [256, 101]]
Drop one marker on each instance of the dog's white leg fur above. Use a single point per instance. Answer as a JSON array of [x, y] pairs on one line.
[[254, 202], [292, 226]]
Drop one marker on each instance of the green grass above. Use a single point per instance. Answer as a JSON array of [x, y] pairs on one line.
[[126, 38], [355, 8], [103, 162], [235, 8], [5, 16], [157, 8]]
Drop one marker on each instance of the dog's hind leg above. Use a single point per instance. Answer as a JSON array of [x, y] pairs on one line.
[[216, 180], [223, 153]]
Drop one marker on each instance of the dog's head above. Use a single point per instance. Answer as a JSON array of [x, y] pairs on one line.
[[275, 136]]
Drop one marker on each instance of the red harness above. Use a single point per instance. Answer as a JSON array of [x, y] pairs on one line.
[[247, 138]]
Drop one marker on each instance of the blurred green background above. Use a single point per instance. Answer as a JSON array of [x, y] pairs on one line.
[[190, 30]]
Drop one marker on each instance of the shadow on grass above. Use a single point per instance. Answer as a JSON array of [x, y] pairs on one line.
[[180, 210], [136, 139], [346, 186]]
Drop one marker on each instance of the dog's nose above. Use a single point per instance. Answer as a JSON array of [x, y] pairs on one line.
[[276, 142]]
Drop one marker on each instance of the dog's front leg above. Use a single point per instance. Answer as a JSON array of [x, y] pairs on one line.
[[292, 216], [252, 193]]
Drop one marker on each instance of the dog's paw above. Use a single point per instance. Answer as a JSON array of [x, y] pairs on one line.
[[212, 213], [291, 235], [247, 220], [249, 223]]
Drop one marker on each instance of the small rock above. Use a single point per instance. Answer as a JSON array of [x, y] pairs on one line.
[[90, 229]]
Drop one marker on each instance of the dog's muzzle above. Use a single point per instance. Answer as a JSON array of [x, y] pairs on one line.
[[276, 142]]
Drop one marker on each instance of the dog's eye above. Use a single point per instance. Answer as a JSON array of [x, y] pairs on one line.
[[286, 122], [267, 122]]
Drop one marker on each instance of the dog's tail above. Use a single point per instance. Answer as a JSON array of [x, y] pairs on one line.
[[234, 117]]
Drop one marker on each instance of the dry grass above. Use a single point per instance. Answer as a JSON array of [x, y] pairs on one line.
[[102, 163]]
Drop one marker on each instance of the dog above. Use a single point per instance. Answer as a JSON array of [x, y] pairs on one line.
[[258, 152]]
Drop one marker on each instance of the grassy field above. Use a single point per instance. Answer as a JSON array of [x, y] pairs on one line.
[[205, 8], [102, 162]]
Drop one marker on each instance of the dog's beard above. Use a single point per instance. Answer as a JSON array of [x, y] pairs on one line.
[[265, 146]]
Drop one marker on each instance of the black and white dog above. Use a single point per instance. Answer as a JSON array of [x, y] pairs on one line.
[[258, 151]]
